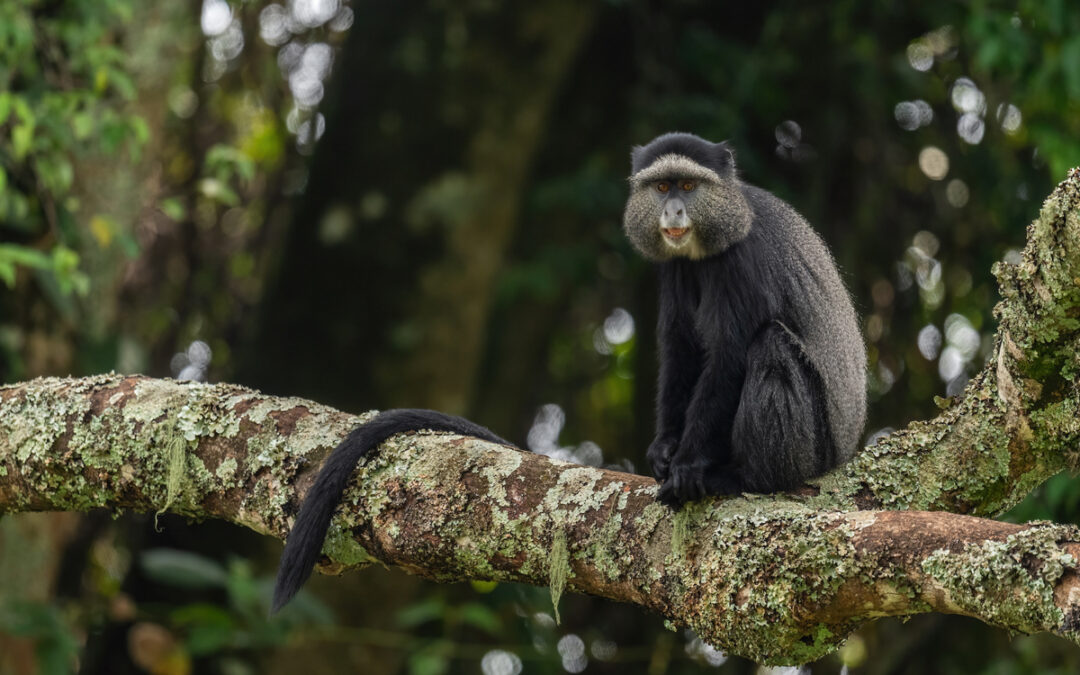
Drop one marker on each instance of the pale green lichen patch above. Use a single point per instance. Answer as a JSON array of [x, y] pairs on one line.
[[771, 559], [225, 471], [575, 493], [341, 547], [277, 457], [387, 463], [496, 468], [31, 424], [1058, 437], [606, 550], [647, 525], [679, 530], [1009, 583], [194, 421]]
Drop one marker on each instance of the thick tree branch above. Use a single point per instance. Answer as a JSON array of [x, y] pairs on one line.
[[780, 578]]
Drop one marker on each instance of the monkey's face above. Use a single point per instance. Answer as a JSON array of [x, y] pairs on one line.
[[679, 208]]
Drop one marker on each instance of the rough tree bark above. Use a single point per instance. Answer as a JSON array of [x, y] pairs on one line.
[[778, 578]]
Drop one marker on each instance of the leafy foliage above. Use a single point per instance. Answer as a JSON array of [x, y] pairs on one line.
[[64, 87]]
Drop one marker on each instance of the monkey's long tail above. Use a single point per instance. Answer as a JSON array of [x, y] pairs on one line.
[[306, 538]]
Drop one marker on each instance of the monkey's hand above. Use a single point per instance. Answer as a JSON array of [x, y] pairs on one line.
[[685, 483], [659, 454]]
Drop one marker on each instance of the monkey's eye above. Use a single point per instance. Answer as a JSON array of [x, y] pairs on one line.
[[687, 185], [663, 186]]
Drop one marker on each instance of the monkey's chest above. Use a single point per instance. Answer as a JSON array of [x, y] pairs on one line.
[[729, 320]]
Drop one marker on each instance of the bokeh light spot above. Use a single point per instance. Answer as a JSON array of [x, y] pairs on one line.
[[957, 193], [1009, 117], [966, 97], [920, 56], [971, 128], [618, 327], [933, 162], [929, 341], [907, 115], [788, 133], [927, 242], [500, 662], [215, 18]]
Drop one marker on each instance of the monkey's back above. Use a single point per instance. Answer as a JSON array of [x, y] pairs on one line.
[[820, 312]]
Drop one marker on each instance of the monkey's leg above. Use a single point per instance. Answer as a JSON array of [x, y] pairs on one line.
[[780, 435], [705, 446]]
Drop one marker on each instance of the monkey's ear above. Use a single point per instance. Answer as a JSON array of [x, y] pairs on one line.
[[637, 153], [724, 155]]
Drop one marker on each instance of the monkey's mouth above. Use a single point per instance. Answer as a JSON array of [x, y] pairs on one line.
[[675, 233]]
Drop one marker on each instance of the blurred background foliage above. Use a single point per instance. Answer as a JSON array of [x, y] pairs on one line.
[[375, 204]]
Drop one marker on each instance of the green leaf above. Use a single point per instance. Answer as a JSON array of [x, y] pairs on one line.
[[421, 612], [7, 273], [432, 660], [244, 591], [122, 83], [209, 628], [173, 208], [218, 191], [182, 569], [201, 613], [21, 138], [82, 125], [203, 640], [128, 244], [22, 109], [480, 616], [22, 255], [140, 129], [225, 160]]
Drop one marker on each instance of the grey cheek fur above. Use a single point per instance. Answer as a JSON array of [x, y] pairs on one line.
[[641, 220], [720, 215]]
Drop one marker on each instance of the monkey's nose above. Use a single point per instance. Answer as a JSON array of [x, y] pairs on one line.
[[674, 211]]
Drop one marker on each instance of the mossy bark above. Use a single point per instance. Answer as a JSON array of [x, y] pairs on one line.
[[778, 578]]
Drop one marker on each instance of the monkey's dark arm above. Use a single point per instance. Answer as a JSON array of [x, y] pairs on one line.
[[680, 366], [306, 538]]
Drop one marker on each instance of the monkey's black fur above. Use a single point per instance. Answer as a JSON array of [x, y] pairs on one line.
[[762, 381], [761, 362], [716, 156], [306, 538], [736, 394]]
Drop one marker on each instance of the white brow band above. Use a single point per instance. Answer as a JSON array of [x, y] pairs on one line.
[[674, 166]]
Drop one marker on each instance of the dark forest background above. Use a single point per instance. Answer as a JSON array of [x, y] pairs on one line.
[[379, 204]]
